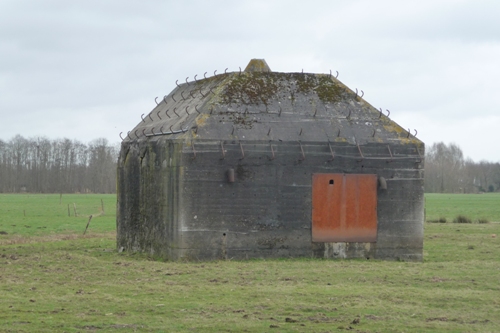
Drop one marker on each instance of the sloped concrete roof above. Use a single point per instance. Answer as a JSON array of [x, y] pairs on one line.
[[257, 105]]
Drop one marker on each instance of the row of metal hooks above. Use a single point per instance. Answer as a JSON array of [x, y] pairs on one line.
[[240, 71], [158, 114], [215, 74], [225, 72], [152, 132], [232, 132], [303, 155], [338, 132]]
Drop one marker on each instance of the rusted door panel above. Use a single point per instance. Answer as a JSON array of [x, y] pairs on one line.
[[344, 208]]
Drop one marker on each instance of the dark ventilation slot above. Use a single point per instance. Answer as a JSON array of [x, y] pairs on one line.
[[331, 182]]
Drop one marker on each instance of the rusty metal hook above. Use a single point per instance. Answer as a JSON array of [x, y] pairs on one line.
[[166, 112], [269, 132], [121, 135], [143, 131], [240, 70], [149, 115], [202, 94], [390, 153], [388, 113], [222, 148], [177, 84], [135, 132], [142, 118], [330, 74], [242, 151], [191, 94], [156, 100], [408, 133], [272, 150], [302, 150], [215, 71], [360, 152], [171, 130], [176, 112], [187, 81], [187, 110], [211, 91], [165, 99], [415, 132], [300, 133], [153, 131], [380, 115], [173, 97], [205, 75], [194, 151], [182, 95], [356, 93], [161, 129], [362, 93], [158, 114], [196, 108], [225, 71], [129, 135], [331, 151], [195, 78], [337, 74], [419, 155]]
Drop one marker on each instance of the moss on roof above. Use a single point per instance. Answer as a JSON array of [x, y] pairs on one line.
[[260, 87]]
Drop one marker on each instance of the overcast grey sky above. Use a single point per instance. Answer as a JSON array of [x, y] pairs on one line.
[[88, 69]]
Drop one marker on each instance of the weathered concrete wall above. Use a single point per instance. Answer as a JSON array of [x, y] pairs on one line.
[[148, 201], [176, 205]]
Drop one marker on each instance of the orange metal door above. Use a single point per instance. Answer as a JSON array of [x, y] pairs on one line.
[[344, 208]]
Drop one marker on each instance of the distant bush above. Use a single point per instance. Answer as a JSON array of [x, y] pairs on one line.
[[440, 220], [482, 221], [462, 219]]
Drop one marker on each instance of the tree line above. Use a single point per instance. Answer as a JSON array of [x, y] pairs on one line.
[[40, 165], [447, 171]]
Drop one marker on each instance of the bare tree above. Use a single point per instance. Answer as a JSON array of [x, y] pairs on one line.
[[56, 166], [447, 171], [444, 170]]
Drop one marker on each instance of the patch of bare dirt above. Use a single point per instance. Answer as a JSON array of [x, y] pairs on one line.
[[53, 238], [437, 319]]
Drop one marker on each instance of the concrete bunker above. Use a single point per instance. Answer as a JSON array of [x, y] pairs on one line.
[[263, 164]]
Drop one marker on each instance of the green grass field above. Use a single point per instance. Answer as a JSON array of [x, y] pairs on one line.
[[474, 206], [42, 214], [54, 279]]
